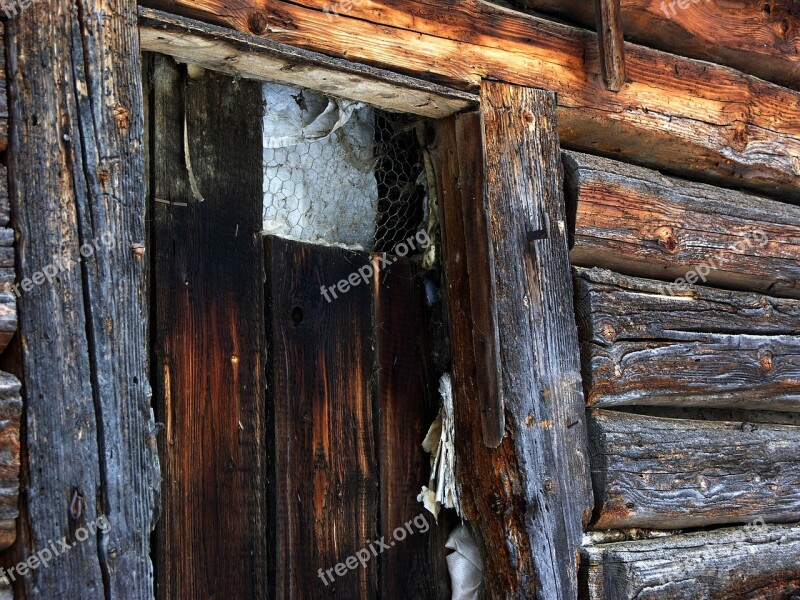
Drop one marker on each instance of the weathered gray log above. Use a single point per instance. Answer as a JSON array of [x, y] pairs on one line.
[[639, 222], [538, 338], [613, 307], [76, 157], [757, 562], [668, 473], [10, 413]]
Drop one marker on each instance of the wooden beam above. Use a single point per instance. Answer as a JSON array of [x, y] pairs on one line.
[[241, 55], [544, 406], [679, 114], [639, 222], [612, 44], [657, 473], [760, 38], [750, 562], [76, 159], [209, 349]]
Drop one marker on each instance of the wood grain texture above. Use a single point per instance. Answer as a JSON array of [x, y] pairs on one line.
[[659, 473], [639, 222], [678, 114], [538, 338], [209, 351], [760, 38], [76, 163], [608, 20], [612, 308], [481, 269], [490, 489], [326, 472], [10, 414], [240, 55], [751, 563], [407, 404]]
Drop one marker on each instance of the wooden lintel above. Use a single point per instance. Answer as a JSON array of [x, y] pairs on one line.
[[678, 114], [242, 55]]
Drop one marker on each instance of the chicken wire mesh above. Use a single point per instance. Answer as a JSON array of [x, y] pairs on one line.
[[340, 172]]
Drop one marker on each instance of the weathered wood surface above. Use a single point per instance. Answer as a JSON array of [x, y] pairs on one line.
[[240, 55], [540, 462], [608, 20], [76, 157], [747, 563], [8, 303], [407, 404], [10, 413], [639, 222], [702, 347], [209, 350], [659, 473], [326, 493], [480, 267], [678, 114], [760, 38], [611, 307]]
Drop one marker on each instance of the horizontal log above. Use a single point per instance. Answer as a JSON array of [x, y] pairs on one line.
[[755, 562], [10, 412], [639, 222], [760, 38], [660, 473], [676, 113], [612, 307], [221, 49], [722, 371]]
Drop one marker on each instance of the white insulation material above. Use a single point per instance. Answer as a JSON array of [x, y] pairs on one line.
[[439, 442], [319, 168], [464, 565]]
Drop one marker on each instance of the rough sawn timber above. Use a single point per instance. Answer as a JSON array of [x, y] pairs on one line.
[[753, 36], [639, 222], [658, 473], [747, 563], [678, 114], [78, 179], [240, 55]]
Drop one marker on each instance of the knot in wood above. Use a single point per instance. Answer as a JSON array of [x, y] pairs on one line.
[[257, 23], [766, 361], [667, 239]]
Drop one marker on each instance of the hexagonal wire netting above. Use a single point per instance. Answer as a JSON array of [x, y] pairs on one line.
[[340, 172]]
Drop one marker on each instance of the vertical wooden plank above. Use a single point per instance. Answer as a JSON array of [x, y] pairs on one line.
[[538, 335], [77, 173], [325, 476], [209, 354], [608, 19], [407, 405]]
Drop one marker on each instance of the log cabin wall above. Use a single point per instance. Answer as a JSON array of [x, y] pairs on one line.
[[692, 390]]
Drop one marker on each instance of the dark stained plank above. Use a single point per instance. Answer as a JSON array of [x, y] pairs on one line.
[[321, 406], [747, 563], [480, 266], [657, 473], [608, 21], [407, 404], [760, 38], [240, 55], [76, 159], [683, 115], [209, 353], [612, 307], [638, 222]]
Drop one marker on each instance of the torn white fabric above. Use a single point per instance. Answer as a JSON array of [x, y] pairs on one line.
[[464, 564], [319, 168], [440, 443]]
